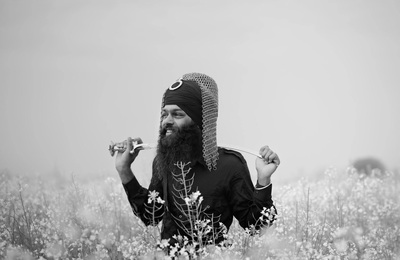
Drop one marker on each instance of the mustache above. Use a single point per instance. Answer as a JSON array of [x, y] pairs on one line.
[[163, 130]]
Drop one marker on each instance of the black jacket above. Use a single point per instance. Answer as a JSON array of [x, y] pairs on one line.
[[227, 191]]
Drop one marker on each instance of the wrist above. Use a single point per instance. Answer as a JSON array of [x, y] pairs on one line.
[[264, 181], [123, 166], [125, 174]]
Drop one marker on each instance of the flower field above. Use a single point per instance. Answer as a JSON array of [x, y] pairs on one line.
[[344, 215]]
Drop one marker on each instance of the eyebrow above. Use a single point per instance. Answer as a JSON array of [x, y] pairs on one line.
[[173, 110]]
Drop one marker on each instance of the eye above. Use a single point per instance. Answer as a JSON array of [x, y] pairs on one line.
[[179, 114]]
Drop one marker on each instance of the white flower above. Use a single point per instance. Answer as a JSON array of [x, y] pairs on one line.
[[195, 195], [152, 196], [164, 243], [192, 199], [201, 199], [159, 200]]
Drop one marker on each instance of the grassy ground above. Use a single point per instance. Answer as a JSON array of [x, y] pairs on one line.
[[341, 216]]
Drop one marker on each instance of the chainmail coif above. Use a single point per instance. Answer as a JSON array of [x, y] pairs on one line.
[[209, 96]]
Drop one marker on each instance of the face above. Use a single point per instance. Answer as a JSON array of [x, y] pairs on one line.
[[173, 118]]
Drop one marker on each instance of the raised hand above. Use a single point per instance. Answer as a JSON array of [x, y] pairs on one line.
[[267, 165]]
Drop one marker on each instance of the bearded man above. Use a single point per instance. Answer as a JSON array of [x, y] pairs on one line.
[[201, 186]]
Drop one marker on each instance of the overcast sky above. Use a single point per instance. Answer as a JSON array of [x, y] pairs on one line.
[[318, 81]]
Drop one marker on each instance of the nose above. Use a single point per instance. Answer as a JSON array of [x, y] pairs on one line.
[[168, 120]]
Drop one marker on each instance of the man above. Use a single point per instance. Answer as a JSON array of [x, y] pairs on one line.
[[200, 185]]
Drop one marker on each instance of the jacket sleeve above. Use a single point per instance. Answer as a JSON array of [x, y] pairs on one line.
[[251, 207], [143, 201]]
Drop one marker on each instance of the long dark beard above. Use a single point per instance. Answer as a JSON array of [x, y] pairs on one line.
[[185, 145]]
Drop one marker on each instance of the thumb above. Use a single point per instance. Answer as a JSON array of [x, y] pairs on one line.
[[129, 145]]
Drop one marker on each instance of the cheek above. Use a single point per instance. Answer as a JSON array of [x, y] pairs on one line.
[[184, 122]]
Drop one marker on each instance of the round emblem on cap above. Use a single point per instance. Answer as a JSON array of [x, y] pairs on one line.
[[178, 86]]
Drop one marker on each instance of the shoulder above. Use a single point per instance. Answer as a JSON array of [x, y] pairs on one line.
[[231, 155], [234, 164]]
